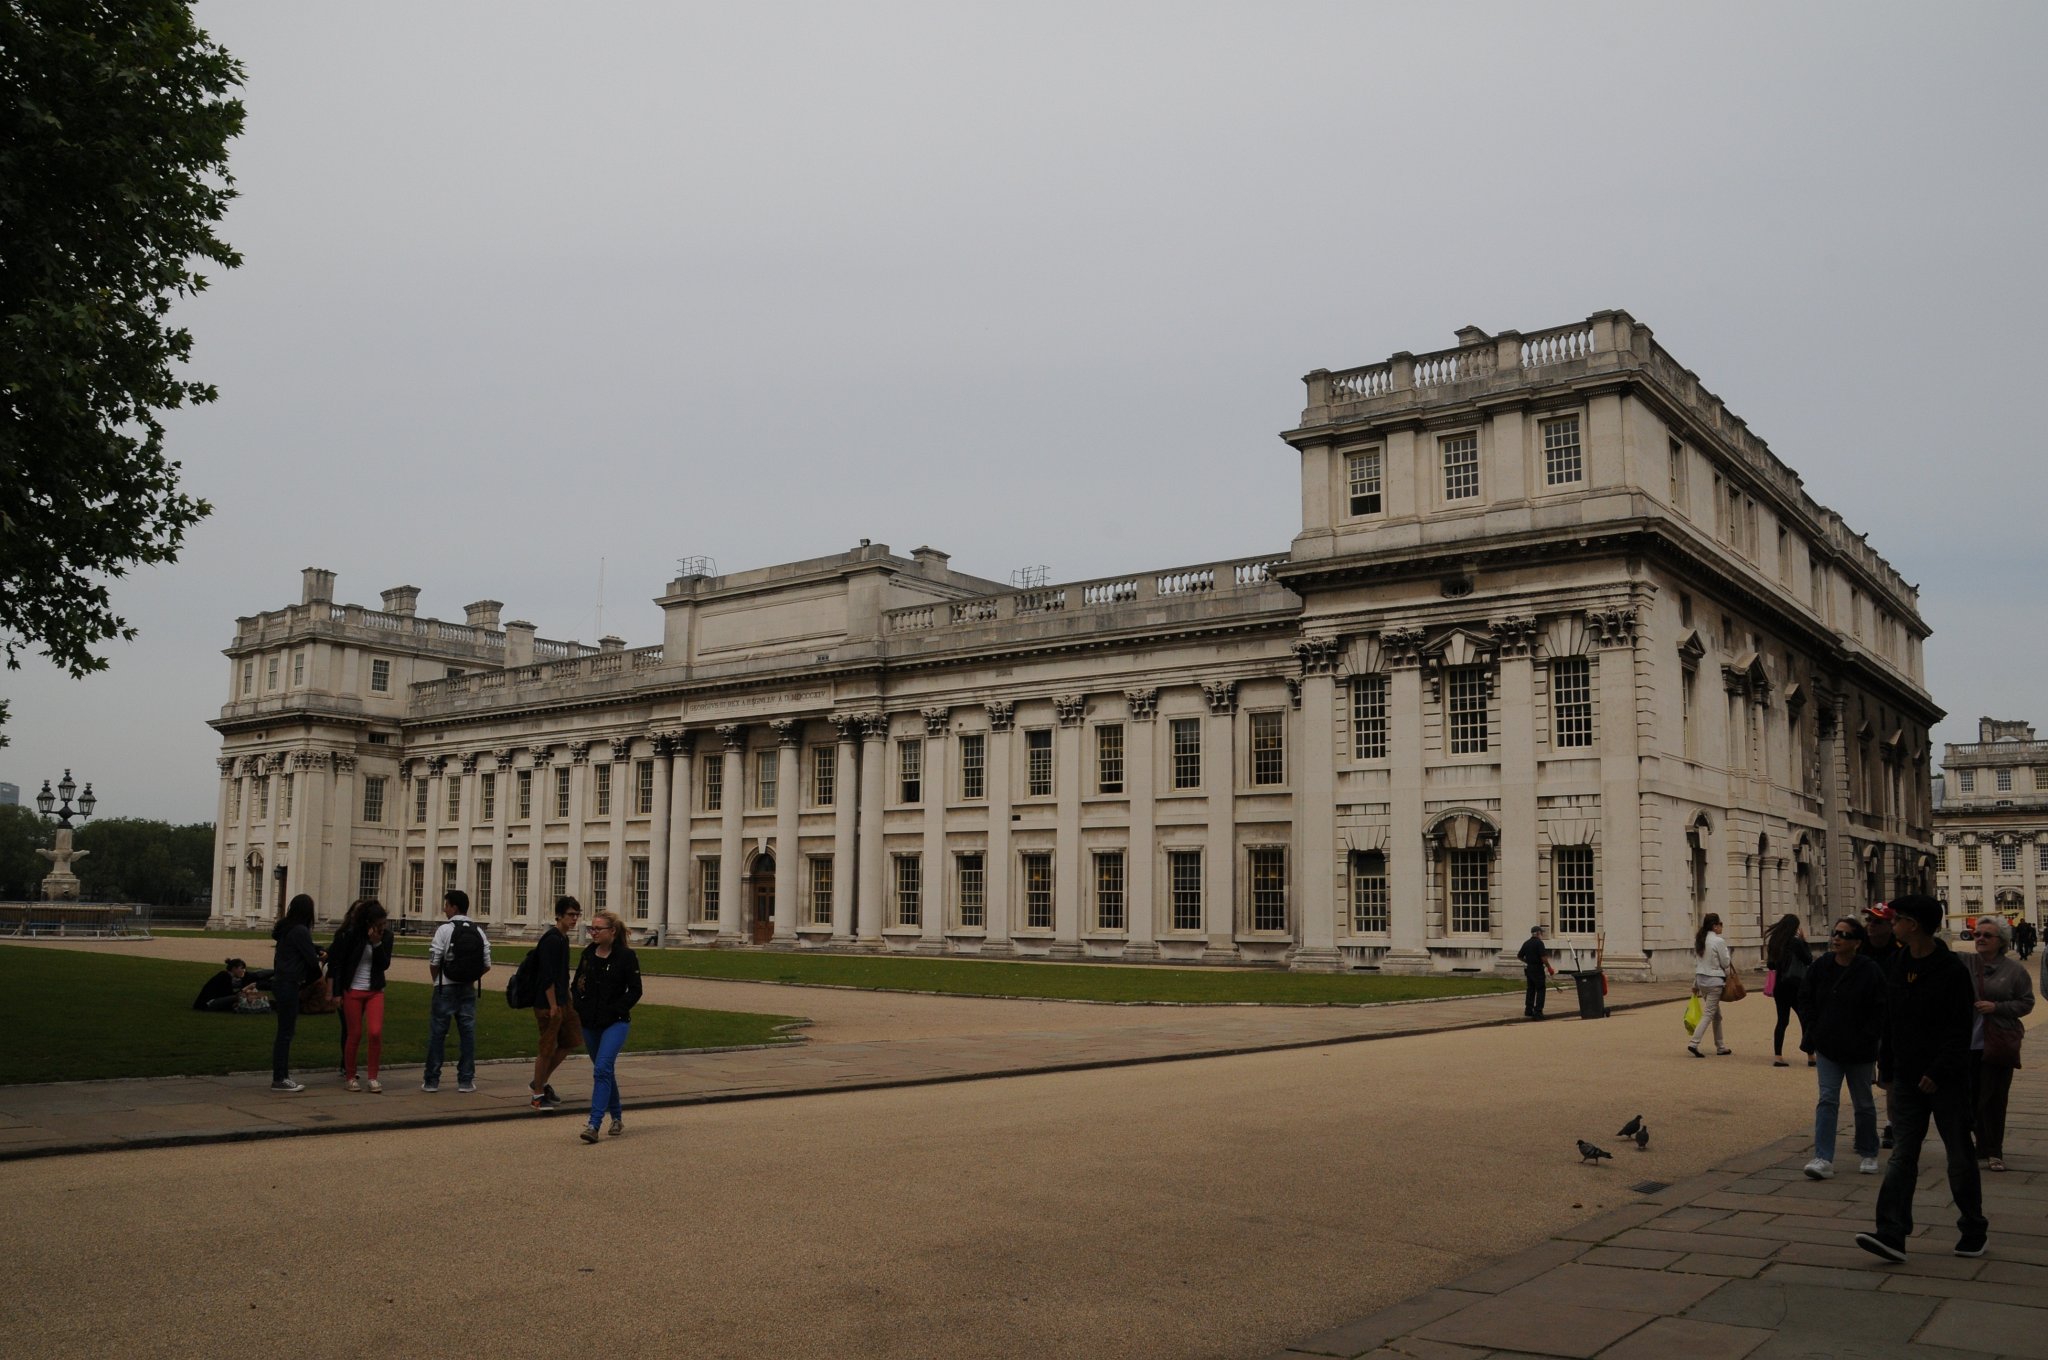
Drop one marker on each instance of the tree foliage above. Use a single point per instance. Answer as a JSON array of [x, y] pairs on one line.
[[131, 859], [114, 125]]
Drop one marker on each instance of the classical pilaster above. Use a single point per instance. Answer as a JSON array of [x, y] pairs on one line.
[[1407, 855], [846, 785], [311, 841], [1514, 645], [661, 746], [273, 773], [1141, 779], [617, 875], [1071, 773], [735, 913], [431, 775], [540, 907], [465, 833], [220, 914], [874, 761], [1845, 881], [789, 796], [938, 893], [505, 790], [1219, 772], [996, 876], [1620, 894], [347, 807], [579, 803], [1314, 776], [681, 867]]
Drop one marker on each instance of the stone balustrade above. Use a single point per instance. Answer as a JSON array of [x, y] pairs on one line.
[[353, 622], [1092, 597]]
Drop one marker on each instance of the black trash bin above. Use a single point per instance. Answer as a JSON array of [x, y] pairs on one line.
[[1592, 994]]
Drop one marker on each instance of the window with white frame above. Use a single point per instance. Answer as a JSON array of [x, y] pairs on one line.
[[821, 890], [1368, 717], [1966, 781], [973, 766], [1571, 702], [1461, 466], [298, 668], [766, 778], [228, 885], [419, 801], [1362, 479], [480, 875], [1369, 898], [248, 678], [1184, 889], [2041, 778], [416, 884], [1563, 463], [1268, 865], [970, 882], [558, 879], [600, 883], [369, 880], [1970, 864], [910, 770], [447, 878], [284, 802], [642, 883], [1037, 891], [601, 789], [562, 792], [454, 791], [380, 677], [643, 787], [909, 903], [707, 888], [1571, 889], [270, 673], [714, 788], [2041, 857], [235, 800], [523, 793], [1038, 762], [259, 797], [1465, 693], [522, 887], [1109, 890], [1269, 748], [1184, 736], [1471, 901], [2003, 778], [486, 797], [2008, 859], [1681, 483], [1109, 758]]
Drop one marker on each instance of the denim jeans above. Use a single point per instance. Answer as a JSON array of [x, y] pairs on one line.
[[285, 1001], [1827, 1112], [604, 1047], [1949, 1109], [458, 1003]]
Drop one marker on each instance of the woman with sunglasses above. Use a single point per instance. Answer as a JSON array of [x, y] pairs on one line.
[[606, 986], [2004, 994], [1841, 1023]]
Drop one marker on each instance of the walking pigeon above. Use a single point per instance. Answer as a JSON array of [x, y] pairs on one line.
[[1628, 1130], [1643, 1138], [1589, 1153]]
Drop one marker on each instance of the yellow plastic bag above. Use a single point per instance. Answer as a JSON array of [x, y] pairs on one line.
[[1692, 1014]]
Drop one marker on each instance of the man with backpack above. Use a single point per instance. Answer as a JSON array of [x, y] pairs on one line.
[[458, 958], [548, 980]]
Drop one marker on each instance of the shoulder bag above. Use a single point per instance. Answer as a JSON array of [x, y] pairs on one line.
[[1733, 990]]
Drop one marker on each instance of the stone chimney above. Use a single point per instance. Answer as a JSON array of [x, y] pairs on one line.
[[484, 613], [316, 586], [930, 561], [519, 643], [611, 642], [402, 600]]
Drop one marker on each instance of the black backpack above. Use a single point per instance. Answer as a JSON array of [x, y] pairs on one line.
[[519, 990], [465, 962]]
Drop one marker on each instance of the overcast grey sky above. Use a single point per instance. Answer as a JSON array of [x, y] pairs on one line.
[[528, 286]]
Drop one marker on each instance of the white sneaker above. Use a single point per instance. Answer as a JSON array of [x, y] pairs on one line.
[[1868, 1166], [1818, 1170]]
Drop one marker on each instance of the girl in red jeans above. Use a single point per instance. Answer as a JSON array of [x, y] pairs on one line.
[[355, 966]]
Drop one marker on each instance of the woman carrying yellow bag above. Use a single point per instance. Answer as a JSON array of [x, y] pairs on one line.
[[1712, 966], [1692, 1013]]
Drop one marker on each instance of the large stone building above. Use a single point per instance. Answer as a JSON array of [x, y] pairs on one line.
[[1560, 640], [1991, 822]]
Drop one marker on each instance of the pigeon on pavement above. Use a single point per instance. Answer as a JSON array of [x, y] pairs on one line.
[[1589, 1153], [1628, 1130], [1643, 1138]]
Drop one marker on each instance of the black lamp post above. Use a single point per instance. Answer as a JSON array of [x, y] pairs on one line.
[[47, 802]]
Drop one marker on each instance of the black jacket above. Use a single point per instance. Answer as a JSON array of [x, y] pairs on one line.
[[1842, 1010], [347, 951], [297, 962], [551, 967], [1534, 957], [1930, 1006], [606, 989]]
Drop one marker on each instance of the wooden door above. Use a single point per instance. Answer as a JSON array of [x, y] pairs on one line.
[[764, 900]]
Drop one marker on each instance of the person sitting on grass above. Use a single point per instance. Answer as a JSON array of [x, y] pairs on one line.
[[224, 989]]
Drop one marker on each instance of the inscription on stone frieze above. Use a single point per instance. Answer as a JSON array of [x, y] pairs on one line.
[[756, 703]]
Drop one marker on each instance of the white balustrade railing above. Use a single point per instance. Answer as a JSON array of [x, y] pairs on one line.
[[1453, 365], [1193, 582], [1042, 601], [1556, 346], [1374, 380], [910, 620], [1110, 592], [972, 611]]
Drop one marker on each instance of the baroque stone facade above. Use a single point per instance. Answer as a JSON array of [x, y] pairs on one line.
[[1991, 823], [1560, 641]]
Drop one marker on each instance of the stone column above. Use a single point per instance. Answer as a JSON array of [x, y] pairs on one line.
[[789, 860], [2030, 865], [1070, 772], [1620, 892], [662, 745], [1844, 879], [273, 773], [430, 853], [617, 877], [682, 866], [249, 909], [1140, 778], [846, 786], [309, 828], [874, 773], [995, 872], [539, 906], [735, 913], [1314, 777], [579, 794], [220, 913], [1408, 865], [1515, 640], [465, 833], [936, 886], [346, 808], [505, 789], [1219, 772]]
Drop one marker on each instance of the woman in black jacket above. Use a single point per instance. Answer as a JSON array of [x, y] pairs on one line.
[[1789, 956], [355, 966], [297, 962], [606, 986], [1842, 1024]]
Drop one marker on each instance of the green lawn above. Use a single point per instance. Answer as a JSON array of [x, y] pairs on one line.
[[95, 1016], [1066, 981]]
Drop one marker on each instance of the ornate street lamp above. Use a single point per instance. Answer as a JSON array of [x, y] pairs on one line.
[[47, 802], [61, 884]]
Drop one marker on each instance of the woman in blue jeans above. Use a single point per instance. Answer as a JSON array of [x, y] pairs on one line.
[[1842, 1007], [606, 986]]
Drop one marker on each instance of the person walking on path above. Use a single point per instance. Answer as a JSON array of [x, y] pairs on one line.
[[1711, 965], [296, 963], [2004, 994], [606, 986], [1841, 1023], [2024, 937], [559, 1033], [1536, 967], [1789, 956], [458, 958], [1881, 948], [1929, 1013], [355, 965]]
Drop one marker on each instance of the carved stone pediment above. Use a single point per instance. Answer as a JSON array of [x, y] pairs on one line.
[[1691, 648], [1461, 646], [1462, 829]]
